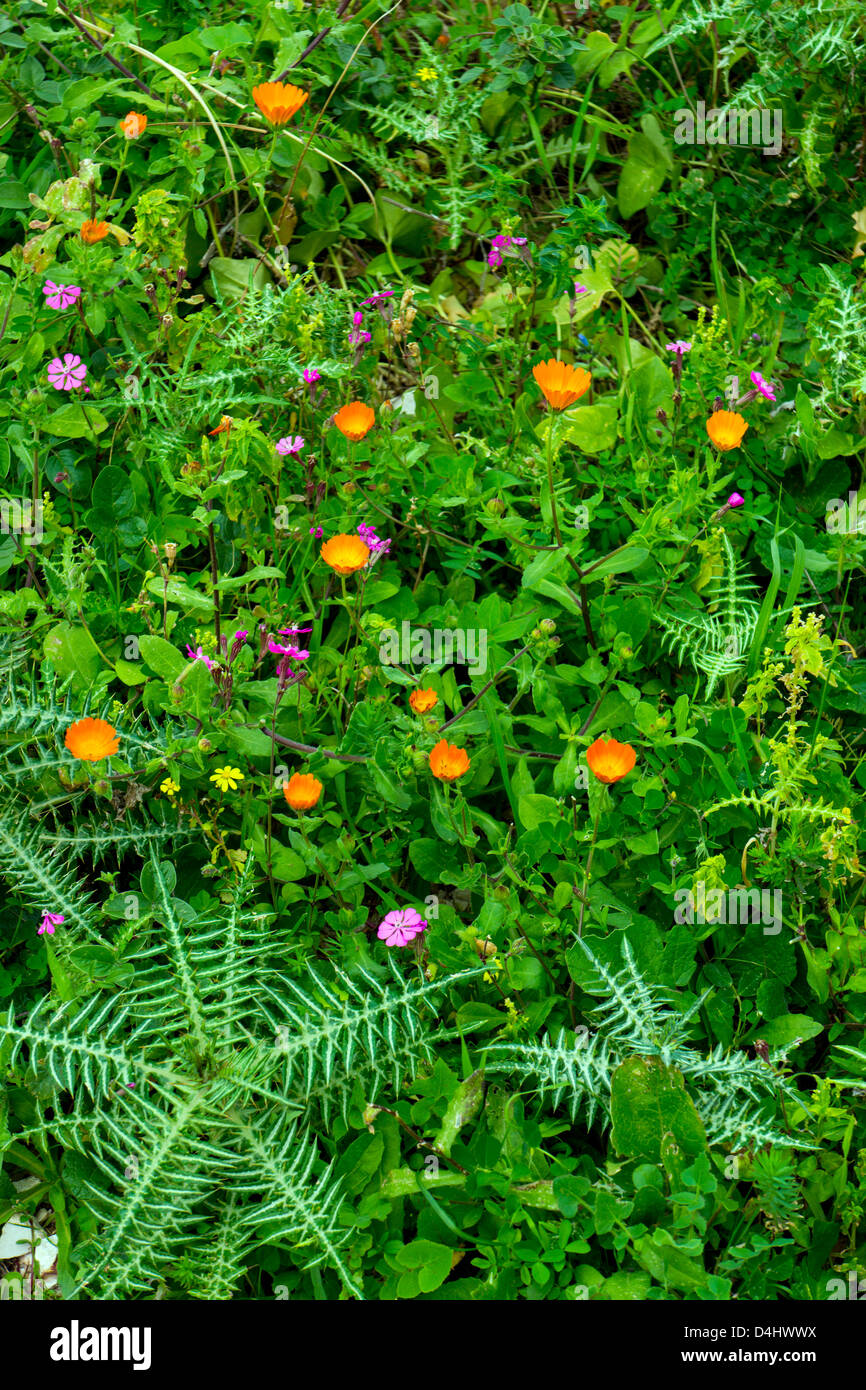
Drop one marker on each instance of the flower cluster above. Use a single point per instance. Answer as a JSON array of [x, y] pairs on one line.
[[503, 246], [377, 546], [359, 336]]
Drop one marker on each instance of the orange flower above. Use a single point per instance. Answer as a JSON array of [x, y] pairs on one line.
[[91, 740], [423, 700], [448, 762], [561, 384], [610, 760], [726, 429], [133, 125], [302, 791], [224, 425], [345, 554], [278, 102], [93, 231], [354, 420]]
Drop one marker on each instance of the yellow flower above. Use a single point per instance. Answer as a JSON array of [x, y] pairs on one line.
[[427, 74], [227, 778], [169, 786]]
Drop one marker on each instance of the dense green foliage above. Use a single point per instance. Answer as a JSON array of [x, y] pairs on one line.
[[625, 1058]]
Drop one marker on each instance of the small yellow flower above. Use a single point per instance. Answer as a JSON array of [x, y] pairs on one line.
[[427, 74], [169, 786], [227, 778]]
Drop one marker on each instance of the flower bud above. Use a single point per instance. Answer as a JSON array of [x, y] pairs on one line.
[[547, 626], [495, 506]]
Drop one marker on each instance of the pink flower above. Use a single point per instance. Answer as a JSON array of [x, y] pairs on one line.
[[198, 655], [317, 531], [678, 346], [580, 289], [68, 374], [294, 652], [398, 928], [293, 631], [377, 297], [289, 445], [310, 375], [358, 337], [735, 500], [369, 537], [50, 920], [357, 318], [765, 387], [502, 244], [60, 296]]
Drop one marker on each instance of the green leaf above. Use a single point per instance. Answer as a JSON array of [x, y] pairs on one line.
[[630, 557], [592, 427], [535, 810], [478, 1018], [130, 672], [787, 1029], [649, 1102], [668, 1265], [70, 422], [162, 657], [430, 1261], [234, 279], [641, 176], [176, 591], [72, 651], [113, 497]]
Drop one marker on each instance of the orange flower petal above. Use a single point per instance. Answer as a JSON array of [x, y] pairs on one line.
[[726, 429], [93, 231], [302, 791], [345, 554], [91, 740], [610, 761], [560, 383], [354, 420], [133, 125], [278, 101], [447, 762], [421, 701]]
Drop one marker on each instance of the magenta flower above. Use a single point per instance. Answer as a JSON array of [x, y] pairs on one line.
[[294, 652], [293, 631], [289, 445], [580, 289], [678, 346], [500, 246], [198, 655], [60, 296], [68, 374], [377, 297], [237, 642], [765, 387], [369, 537], [735, 500], [310, 375], [399, 928], [317, 531], [50, 920], [358, 337]]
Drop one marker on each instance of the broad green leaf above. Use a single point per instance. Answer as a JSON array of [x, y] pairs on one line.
[[648, 1102]]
